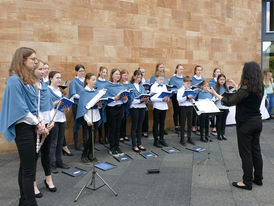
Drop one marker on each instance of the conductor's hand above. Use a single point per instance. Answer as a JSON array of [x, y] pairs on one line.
[[144, 99], [166, 99], [89, 124], [212, 91]]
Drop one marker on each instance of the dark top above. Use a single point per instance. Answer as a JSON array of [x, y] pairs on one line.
[[247, 104]]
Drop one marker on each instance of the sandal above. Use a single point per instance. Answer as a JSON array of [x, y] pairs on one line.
[[135, 149], [141, 147], [126, 139]]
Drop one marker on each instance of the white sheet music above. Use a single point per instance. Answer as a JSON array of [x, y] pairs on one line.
[[95, 99], [205, 106]]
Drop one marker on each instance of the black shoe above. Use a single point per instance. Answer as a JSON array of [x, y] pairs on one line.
[[165, 133], [85, 160], [120, 153], [62, 165], [208, 139], [214, 133], [163, 142], [202, 139], [39, 195], [113, 152], [77, 146], [183, 143], [223, 137], [258, 182], [190, 141], [101, 141], [53, 189], [157, 144], [246, 187], [54, 169], [65, 153], [176, 130]]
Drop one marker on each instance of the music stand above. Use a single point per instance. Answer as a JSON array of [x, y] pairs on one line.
[[91, 180], [208, 107]]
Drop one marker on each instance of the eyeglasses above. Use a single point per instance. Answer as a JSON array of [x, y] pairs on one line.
[[33, 59]]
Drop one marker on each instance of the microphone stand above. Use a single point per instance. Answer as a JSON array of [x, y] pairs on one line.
[[94, 174]]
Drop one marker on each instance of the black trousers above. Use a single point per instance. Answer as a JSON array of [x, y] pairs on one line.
[[145, 123], [176, 110], [212, 121], [221, 121], [248, 135], [88, 144], [123, 132], [100, 130], [25, 142], [76, 126], [186, 115], [114, 115], [204, 125], [56, 146], [45, 152], [159, 117], [137, 118]]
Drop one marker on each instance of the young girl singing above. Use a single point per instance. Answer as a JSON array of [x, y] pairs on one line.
[[137, 111], [88, 117], [58, 131], [221, 88], [204, 118], [126, 112], [177, 80], [114, 110], [101, 84], [197, 79]]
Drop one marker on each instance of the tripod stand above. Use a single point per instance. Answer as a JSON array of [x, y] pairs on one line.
[[91, 180], [208, 148]]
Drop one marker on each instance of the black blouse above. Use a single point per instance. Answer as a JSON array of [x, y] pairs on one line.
[[247, 104]]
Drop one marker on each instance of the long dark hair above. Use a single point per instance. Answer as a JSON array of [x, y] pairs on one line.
[[252, 78], [218, 86], [136, 73], [87, 77]]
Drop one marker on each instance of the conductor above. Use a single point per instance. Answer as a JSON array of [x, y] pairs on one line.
[[248, 123]]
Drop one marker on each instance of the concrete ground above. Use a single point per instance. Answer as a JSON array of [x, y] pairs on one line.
[[182, 179]]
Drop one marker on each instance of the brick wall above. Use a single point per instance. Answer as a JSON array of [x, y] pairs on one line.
[[131, 33]]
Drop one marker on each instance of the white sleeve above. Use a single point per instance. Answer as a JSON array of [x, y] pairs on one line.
[[87, 116], [155, 98], [136, 101], [180, 97], [29, 119]]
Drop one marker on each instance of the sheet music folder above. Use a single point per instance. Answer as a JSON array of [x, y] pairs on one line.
[[205, 106]]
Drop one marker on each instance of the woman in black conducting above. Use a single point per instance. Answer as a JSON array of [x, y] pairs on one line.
[[248, 123]]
